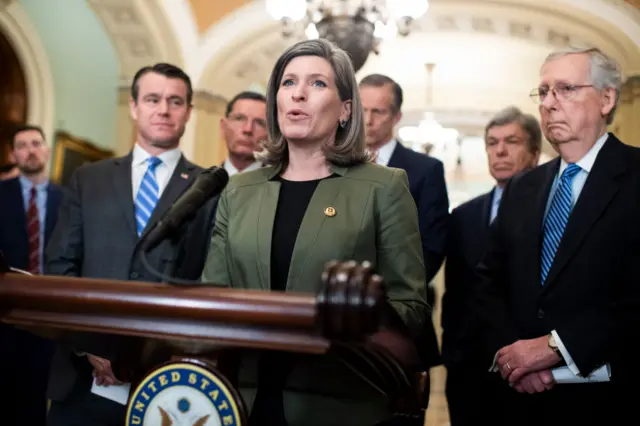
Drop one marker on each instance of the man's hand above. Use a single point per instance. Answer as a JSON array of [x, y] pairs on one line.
[[526, 356], [102, 371], [538, 381]]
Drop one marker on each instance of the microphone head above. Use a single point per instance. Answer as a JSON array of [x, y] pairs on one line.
[[214, 177]]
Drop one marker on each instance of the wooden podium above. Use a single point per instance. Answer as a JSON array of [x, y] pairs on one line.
[[183, 339]]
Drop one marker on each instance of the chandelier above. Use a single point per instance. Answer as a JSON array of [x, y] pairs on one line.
[[429, 135], [356, 26]]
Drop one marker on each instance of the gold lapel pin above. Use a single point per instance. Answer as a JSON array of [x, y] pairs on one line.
[[184, 176], [330, 211]]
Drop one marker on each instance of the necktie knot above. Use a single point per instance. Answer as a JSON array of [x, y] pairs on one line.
[[153, 162], [570, 172]]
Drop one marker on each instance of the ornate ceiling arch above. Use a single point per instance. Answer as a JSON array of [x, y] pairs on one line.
[[230, 57], [141, 32]]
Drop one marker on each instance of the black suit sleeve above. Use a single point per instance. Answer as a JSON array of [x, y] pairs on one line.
[[605, 332], [457, 303], [491, 295], [64, 252], [433, 216]]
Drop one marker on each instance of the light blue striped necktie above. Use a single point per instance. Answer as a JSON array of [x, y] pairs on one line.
[[557, 219], [148, 195]]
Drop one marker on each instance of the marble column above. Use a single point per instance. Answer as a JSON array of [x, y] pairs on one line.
[[626, 124]]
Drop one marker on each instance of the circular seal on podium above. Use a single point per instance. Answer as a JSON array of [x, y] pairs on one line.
[[185, 393]]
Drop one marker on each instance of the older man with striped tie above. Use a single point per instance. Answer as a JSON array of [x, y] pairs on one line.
[[560, 294], [111, 205]]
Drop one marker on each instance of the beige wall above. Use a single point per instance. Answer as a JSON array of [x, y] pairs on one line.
[[209, 147], [626, 125]]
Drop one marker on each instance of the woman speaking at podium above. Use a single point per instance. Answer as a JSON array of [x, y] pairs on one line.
[[318, 199]]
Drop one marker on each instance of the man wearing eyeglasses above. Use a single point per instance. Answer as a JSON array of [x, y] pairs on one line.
[[560, 295], [382, 103], [244, 127]]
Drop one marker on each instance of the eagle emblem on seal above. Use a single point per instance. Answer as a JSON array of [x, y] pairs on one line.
[[167, 419]]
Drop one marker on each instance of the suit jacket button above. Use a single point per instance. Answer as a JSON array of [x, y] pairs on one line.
[[540, 313], [134, 275]]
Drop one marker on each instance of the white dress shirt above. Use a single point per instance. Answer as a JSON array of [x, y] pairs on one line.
[[385, 152], [232, 170], [164, 170], [495, 203], [586, 164]]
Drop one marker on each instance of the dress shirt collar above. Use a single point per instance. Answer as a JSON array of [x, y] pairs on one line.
[[586, 162], [232, 170], [385, 152], [27, 184], [169, 158]]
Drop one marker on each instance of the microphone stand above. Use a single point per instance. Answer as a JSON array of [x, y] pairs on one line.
[[166, 276]]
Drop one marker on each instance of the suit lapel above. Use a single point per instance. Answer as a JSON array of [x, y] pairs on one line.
[[532, 221], [53, 202], [396, 157], [314, 218], [486, 210], [266, 217], [598, 191], [123, 190], [20, 212], [181, 179]]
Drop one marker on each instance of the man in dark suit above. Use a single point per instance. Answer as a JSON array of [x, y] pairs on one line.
[[560, 294], [244, 127], [382, 102], [29, 212], [111, 204], [9, 171], [513, 143]]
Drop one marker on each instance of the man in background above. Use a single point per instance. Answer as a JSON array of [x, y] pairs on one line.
[[28, 214], [382, 102], [244, 127], [110, 206], [513, 144]]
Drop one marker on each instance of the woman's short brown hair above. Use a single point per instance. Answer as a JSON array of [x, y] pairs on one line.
[[349, 148]]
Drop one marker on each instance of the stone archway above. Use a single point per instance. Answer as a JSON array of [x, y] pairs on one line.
[[34, 65], [13, 102]]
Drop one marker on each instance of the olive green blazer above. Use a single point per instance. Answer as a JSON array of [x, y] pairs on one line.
[[375, 220]]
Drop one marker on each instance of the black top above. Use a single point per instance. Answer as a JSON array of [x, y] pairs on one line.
[[274, 366], [292, 205]]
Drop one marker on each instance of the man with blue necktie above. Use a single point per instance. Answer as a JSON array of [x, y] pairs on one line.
[[513, 142], [111, 204], [29, 212], [559, 298]]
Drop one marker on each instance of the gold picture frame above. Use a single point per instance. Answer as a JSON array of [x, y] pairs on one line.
[[70, 153]]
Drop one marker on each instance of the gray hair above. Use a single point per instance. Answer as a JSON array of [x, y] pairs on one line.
[[605, 71], [349, 147], [527, 122]]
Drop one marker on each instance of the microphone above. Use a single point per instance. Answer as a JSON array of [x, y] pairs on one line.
[[207, 185]]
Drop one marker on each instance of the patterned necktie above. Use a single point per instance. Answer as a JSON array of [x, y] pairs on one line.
[[33, 231], [557, 219], [148, 195], [496, 206]]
